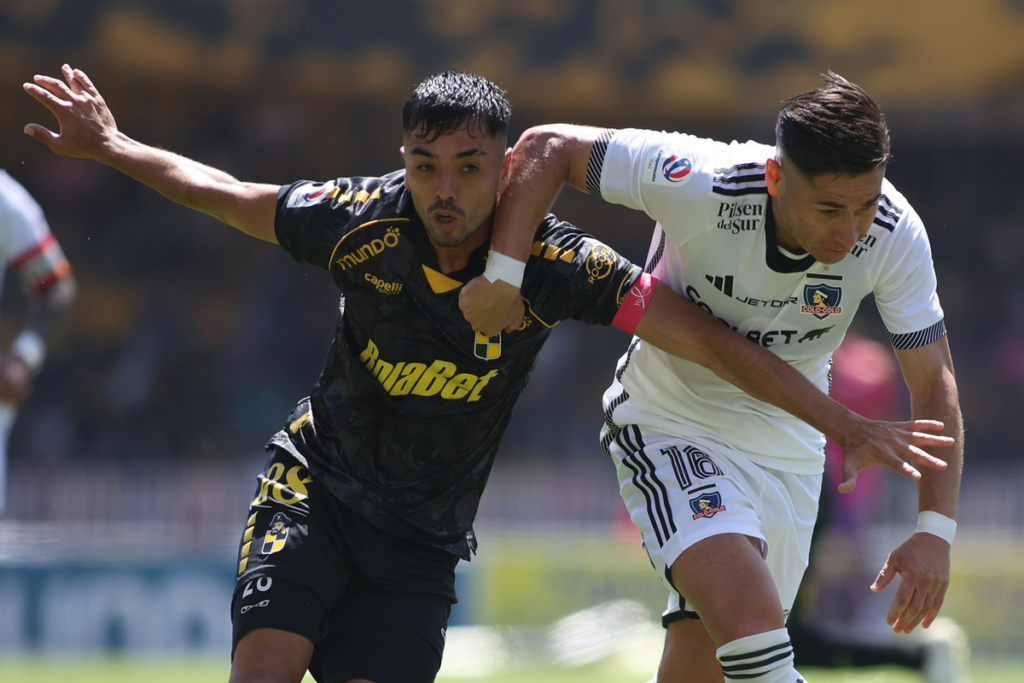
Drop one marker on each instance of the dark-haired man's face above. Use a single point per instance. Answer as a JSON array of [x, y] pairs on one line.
[[823, 215], [454, 182]]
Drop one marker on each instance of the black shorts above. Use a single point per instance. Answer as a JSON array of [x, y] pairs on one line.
[[309, 565]]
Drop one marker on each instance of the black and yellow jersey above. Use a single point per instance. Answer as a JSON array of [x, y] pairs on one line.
[[405, 419]]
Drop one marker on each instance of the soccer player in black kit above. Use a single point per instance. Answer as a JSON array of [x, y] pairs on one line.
[[366, 504]]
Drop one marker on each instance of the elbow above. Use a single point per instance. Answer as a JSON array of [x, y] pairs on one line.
[[545, 143], [63, 293]]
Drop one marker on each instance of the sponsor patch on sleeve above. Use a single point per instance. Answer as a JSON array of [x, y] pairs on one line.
[[310, 194], [667, 167]]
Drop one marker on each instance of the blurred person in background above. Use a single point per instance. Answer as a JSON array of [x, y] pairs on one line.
[[781, 243], [366, 503], [829, 626], [29, 249]]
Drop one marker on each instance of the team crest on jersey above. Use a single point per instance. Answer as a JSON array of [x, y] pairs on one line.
[[667, 165], [600, 263], [311, 194], [487, 348], [707, 504], [274, 541], [821, 301]]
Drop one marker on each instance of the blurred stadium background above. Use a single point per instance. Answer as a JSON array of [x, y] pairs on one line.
[[134, 460]]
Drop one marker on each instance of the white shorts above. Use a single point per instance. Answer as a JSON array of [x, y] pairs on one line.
[[680, 491]]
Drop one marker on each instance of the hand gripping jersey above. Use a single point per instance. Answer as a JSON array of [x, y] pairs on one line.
[[408, 411], [715, 243]]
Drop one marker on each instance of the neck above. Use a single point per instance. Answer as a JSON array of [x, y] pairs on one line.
[[451, 259], [782, 238]]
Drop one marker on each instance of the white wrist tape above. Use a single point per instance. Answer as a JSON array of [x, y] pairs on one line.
[[501, 267], [936, 524], [30, 347]]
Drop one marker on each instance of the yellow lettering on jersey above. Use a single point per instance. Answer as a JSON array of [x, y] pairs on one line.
[[459, 386], [440, 378], [273, 474], [475, 396], [410, 375], [294, 484], [298, 424], [434, 378], [393, 377]]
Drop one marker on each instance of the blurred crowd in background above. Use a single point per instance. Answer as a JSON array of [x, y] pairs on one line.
[[191, 343]]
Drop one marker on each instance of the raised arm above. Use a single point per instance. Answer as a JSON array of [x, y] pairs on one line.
[[543, 161], [680, 327], [87, 130], [923, 561]]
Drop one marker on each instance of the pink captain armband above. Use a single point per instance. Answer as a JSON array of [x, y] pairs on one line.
[[634, 305]]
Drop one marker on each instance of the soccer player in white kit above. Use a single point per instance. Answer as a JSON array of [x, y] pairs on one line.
[[30, 249], [781, 243]]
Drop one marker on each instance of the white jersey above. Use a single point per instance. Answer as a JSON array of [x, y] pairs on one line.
[[25, 239], [715, 243]]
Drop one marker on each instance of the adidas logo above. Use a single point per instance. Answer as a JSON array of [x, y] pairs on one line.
[[723, 283]]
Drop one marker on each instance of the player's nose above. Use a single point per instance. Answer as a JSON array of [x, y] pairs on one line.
[[446, 188]]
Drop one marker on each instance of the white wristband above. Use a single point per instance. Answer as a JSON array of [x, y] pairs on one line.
[[30, 347], [936, 524], [501, 267]]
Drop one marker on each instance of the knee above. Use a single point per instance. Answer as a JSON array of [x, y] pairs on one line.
[[765, 657]]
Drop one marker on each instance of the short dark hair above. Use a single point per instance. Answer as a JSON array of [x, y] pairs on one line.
[[837, 128], [447, 101]]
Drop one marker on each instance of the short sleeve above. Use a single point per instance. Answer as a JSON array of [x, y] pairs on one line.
[[572, 275], [21, 219], [906, 294], [305, 212]]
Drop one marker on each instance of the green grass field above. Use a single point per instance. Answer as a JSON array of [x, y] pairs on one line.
[[205, 670]]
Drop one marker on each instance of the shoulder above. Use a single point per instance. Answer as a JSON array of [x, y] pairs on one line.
[[671, 156], [359, 193], [896, 221], [14, 198], [314, 218]]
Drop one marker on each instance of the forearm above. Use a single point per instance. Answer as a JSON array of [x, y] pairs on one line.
[[178, 178], [939, 490], [49, 311], [768, 378], [680, 328]]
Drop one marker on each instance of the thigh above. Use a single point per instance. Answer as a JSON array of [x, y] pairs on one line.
[[267, 654], [728, 584], [292, 555], [680, 492]]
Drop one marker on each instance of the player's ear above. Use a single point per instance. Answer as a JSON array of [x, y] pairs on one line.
[[773, 176], [506, 165]]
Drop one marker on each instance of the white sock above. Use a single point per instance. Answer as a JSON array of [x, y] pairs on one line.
[[760, 658]]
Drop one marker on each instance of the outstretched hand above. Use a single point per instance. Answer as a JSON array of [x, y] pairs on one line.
[[922, 563], [892, 444], [490, 307], [85, 123]]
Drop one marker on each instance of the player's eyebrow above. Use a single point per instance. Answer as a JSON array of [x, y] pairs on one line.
[[473, 151], [840, 205]]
